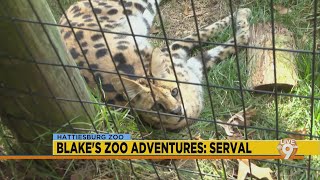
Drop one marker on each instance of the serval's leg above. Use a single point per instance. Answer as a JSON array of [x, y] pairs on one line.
[[183, 48], [217, 54]]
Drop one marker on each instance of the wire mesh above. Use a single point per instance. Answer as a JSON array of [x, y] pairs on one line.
[[209, 86]]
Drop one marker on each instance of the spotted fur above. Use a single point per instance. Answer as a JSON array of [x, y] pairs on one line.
[[92, 51]]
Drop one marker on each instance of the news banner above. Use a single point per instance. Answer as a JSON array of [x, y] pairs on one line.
[[121, 146]]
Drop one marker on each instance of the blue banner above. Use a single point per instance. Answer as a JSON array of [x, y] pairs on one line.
[[91, 137]]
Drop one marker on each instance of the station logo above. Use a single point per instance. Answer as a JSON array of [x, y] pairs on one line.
[[287, 148]]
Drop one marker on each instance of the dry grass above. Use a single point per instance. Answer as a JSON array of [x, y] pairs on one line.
[[178, 24]]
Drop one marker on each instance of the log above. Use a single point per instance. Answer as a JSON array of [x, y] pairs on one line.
[[32, 92], [261, 63]]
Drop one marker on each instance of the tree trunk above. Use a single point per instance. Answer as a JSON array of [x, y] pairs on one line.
[[34, 95], [260, 62]]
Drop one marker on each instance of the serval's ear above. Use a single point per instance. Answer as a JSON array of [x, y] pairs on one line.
[[132, 87], [159, 67]]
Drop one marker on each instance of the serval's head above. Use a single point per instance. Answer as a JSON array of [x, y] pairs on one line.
[[164, 94]]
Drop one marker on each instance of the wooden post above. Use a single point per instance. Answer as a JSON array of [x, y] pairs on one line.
[[260, 62], [34, 95]]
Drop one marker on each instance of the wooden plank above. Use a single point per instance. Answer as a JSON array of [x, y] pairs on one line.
[[22, 44]]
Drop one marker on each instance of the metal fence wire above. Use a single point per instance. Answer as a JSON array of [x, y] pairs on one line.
[[210, 88]]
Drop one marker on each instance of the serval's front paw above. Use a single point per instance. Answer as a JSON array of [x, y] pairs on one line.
[[243, 13]]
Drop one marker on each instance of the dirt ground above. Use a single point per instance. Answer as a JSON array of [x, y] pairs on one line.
[[180, 22]]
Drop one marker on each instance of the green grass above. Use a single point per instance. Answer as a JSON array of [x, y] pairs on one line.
[[55, 8], [294, 113]]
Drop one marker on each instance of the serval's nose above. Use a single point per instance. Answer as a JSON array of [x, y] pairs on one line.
[[177, 111]]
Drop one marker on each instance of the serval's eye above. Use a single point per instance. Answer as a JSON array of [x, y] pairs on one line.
[[174, 92]]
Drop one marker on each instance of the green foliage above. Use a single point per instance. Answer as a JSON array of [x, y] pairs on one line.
[[55, 8], [294, 112]]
